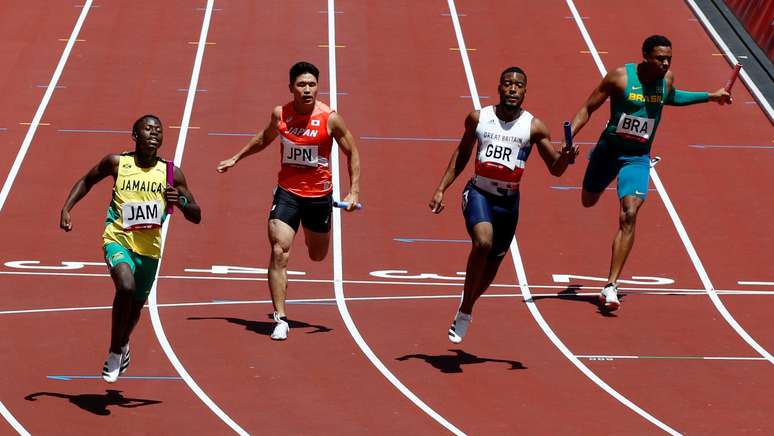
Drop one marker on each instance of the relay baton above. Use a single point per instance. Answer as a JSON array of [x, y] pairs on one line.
[[170, 183], [734, 75], [345, 204], [568, 138]]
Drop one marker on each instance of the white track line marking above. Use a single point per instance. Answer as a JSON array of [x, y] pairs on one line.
[[520, 273], [152, 300], [337, 249], [11, 420], [52, 85], [697, 264], [43, 104], [725, 358], [325, 300], [628, 290], [733, 60]]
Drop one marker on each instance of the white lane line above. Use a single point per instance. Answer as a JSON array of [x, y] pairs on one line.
[[152, 300], [680, 228], [337, 249], [11, 420], [578, 288], [730, 56], [522, 277], [755, 283], [52, 85], [566, 351], [628, 357], [43, 104], [322, 300]]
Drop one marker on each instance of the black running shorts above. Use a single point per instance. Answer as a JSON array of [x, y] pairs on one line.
[[314, 213]]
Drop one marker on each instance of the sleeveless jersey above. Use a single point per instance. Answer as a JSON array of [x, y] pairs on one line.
[[634, 116], [503, 149], [305, 151], [137, 208]]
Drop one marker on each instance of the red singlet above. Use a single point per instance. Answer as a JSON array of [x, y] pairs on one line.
[[305, 151]]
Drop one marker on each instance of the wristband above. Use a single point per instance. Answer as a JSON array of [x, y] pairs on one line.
[[183, 200]]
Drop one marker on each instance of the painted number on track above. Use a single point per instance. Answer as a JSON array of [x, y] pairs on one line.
[[635, 280]]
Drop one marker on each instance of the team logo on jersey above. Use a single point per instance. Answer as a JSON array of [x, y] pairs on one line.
[[126, 165], [315, 122]]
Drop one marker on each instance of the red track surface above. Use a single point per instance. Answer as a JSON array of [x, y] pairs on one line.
[[398, 77]]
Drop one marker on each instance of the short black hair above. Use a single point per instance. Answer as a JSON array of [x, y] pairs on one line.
[[513, 70], [654, 41], [136, 125], [302, 67]]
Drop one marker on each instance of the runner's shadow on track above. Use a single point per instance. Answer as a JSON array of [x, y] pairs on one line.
[[265, 327], [452, 363], [571, 294], [97, 403]]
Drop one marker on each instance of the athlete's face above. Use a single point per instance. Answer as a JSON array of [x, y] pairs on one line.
[[512, 89], [304, 88], [659, 60], [149, 136]]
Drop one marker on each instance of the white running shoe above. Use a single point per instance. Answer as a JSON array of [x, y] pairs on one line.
[[126, 357], [609, 297], [112, 367], [459, 327], [280, 332]]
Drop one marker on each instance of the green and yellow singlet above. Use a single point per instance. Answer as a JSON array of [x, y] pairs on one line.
[[137, 209], [634, 116]]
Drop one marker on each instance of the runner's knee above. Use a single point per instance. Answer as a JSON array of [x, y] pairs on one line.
[[482, 245], [280, 253]]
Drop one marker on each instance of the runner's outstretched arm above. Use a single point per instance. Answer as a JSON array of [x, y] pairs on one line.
[[459, 159], [677, 97], [106, 167], [257, 143]]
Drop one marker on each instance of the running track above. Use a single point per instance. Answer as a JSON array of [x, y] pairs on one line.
[[404, 92]]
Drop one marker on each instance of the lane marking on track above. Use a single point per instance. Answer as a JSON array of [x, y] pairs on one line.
[[732, 59], [724, 358], [678, 224], [388, 298], [43, 105], [46, 86], [39, 124], [68, 40], [152, 300], [732, 146], [122, 132], [521, 274], [755, 283], [199, 42], [25, 146], [338, 273], [123, 377], [186, 127], [327, 46], [459, 49], [588, 52], [230, 134], [186, 90], [573, 286]]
